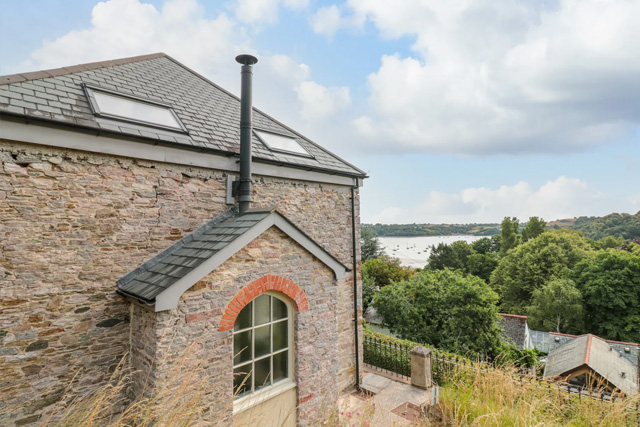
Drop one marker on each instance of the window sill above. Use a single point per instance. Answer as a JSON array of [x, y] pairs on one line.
[[246, 402]]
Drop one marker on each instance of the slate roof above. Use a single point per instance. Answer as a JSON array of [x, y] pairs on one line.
[[210, 114], [155, 276], [598, 355], [628, 350]]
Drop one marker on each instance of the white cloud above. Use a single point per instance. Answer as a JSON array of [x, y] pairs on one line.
[[320, 102], [561, 198], [492, 76], [326, 21], [264, 11]]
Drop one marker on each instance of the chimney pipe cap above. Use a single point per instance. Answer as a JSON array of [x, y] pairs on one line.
[[246, 59]]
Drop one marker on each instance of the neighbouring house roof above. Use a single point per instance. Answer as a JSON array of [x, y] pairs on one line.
[[210, 114], [372, 316], [594, 353], [515, 329], [163, 279], [628, 350]]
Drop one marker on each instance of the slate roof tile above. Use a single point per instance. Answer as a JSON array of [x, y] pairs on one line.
[[210, 114]]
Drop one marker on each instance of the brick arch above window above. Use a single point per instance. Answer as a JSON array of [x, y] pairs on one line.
[[270, 282]]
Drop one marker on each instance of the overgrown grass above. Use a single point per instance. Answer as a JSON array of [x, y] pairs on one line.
[[180, 402], [493, 397]]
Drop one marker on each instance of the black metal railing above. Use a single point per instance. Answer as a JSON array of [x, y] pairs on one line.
[[390, 357]]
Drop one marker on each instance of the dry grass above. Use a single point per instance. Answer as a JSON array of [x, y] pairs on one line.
[[494, 398], [179, 403]]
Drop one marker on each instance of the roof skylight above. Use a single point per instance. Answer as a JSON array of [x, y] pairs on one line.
[[285, 144], [131, 109]]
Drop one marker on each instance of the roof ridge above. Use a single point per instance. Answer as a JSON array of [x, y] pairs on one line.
[[588, 352], [89, 66]]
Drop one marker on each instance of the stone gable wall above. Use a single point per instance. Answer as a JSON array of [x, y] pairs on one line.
[[200, 310], [72, 223]]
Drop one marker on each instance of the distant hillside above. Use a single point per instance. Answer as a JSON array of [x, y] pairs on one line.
[[415, 230], [622, 225]]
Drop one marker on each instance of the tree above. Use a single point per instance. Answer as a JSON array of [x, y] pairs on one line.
[[487, 245], [532, 264], [443, 308], [482, 265], [556, 306], [608, 242], [452, 256], [533, 228], [509, 237], [610, 286], [385, 270], [369, 244]]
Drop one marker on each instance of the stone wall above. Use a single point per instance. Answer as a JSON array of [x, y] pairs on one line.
[[72, 223]]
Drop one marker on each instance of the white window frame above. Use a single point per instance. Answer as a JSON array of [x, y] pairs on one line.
[[255, 397], [95, 108]]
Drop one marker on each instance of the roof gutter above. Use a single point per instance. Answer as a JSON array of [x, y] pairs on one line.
[[97, 131]]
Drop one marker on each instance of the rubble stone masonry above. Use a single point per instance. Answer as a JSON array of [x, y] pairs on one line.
[[72, 223]]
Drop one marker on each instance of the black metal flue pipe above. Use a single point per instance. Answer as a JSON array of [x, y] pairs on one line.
[[244, 186]]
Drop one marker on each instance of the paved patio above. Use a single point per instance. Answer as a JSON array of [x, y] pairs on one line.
[[387, 395]]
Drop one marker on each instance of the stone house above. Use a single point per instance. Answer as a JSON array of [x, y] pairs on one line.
[[516, 330], [121, 240]]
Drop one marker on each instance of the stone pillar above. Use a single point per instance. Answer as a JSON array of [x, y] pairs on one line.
[[421, 367]]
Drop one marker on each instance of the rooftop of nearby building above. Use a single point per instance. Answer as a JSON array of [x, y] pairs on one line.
[[182, 109], [596, 354]]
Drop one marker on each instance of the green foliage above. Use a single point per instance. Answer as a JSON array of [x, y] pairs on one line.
[[509, 237], [369, 244], [556, 306], [482, 265], [415, 230], [511, 356], [384, 352], [533, 228], [608, 242], [368, 291], [453, 256], [530, 265], [384, 270], [616, 225], [487, 245], [444, 308], [610, 285]]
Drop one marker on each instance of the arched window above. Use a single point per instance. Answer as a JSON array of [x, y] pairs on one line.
[[261, 345]]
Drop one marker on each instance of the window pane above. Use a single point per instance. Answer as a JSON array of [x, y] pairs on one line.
[[281, 142], [280, 335], [242, 347], [242, 380], [136, 110], [263, 341], [243, 321], [280, 366], [279, 309], [262, 369], [262, 309]]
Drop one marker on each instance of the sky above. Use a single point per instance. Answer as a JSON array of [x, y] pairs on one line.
[[461, 111]]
